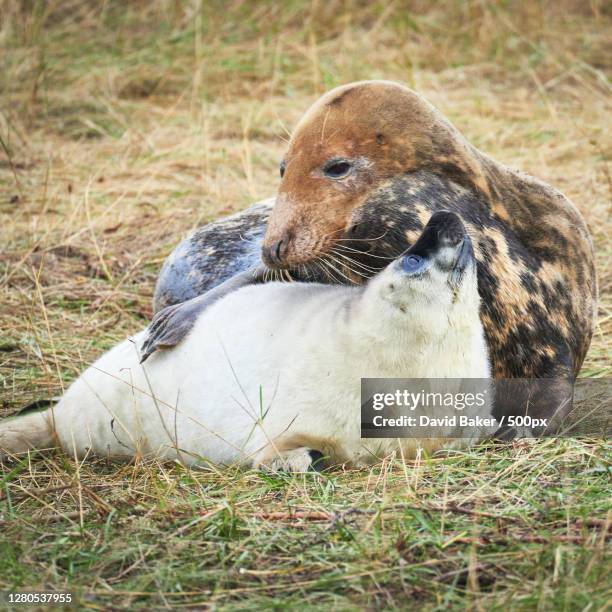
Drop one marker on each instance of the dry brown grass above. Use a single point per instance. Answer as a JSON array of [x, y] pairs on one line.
[[124, 128]]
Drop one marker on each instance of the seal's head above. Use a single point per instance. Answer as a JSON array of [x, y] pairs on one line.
[[352, 140], [434, 283]]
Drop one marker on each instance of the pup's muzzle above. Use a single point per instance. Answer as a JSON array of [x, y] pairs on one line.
[[444, 243]]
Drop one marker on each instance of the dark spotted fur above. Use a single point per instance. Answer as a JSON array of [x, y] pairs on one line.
[[215, 253]]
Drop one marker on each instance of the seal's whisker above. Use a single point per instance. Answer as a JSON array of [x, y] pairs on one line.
[[347, 266], [347, 249], [337, 231], [356, 263], [331, 273], [324, 271], [363, 239], [332, 267], [320, 268]]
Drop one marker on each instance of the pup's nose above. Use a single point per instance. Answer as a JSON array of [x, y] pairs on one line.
[[274, 255], [443, 229], [444, 240], [449, 228]]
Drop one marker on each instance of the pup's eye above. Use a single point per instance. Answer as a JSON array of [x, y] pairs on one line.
[[282, 167], [337, 169], [411, 263]]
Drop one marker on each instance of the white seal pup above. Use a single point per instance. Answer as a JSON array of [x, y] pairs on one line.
[[270, 374]]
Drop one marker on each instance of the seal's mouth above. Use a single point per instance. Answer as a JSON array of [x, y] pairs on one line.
[[444, 245]]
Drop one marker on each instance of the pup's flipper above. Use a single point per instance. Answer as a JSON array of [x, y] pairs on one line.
[[19, 434]]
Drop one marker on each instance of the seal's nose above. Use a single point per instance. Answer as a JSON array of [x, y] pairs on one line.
[[448, 227], [444, 241], [444, 229], [273, 255]]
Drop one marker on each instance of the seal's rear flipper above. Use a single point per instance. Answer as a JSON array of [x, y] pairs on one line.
[[23, 433]]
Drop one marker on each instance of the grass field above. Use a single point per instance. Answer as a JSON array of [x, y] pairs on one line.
[[125, 125]]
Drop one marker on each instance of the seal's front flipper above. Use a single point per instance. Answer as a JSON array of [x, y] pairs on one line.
[[170, 325]]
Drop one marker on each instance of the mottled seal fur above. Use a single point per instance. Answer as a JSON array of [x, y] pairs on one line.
[[365, 168], [212, 254], [230, 394]]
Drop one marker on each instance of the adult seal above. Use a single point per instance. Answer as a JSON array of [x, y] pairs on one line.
[[366, 167]]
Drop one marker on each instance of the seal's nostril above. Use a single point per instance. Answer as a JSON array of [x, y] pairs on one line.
[[277, 251], [274, 255]]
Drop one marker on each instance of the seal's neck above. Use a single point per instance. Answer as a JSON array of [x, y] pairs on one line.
[[418, 340], [513, 197]]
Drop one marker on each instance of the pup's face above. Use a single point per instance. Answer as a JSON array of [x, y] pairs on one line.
[[434, 282]]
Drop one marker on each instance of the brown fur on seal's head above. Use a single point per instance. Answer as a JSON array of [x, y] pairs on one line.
[[372, 160], [378, 127]]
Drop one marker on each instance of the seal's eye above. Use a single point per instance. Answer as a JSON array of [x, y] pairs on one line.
[[412, 263], [282, 167], [337, 169]]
